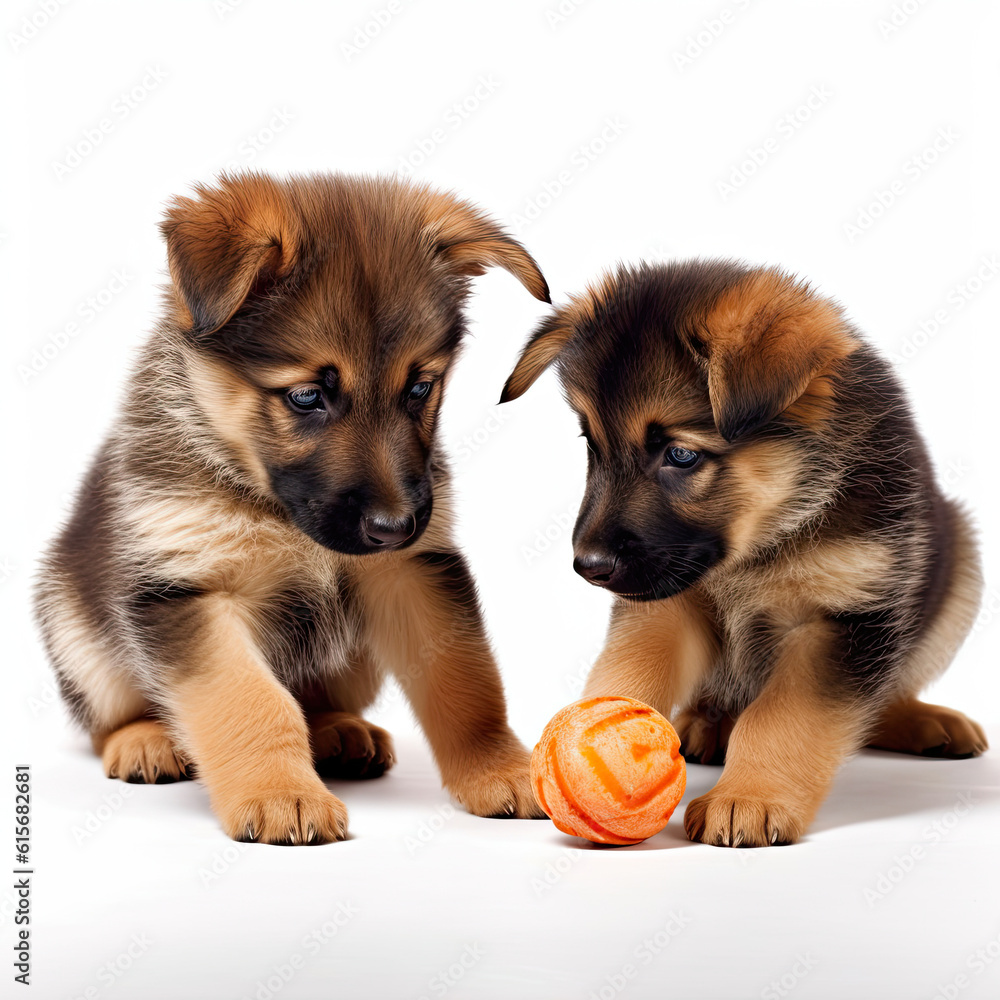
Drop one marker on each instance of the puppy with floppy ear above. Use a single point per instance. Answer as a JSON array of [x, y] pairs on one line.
[[788, 575], [267, 531]]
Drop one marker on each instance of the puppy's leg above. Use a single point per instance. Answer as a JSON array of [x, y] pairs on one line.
[[912, 726], [704, 730], [784, 751], [345, 745], [655, 652], [248, 735], [423, 622], [142, 752]]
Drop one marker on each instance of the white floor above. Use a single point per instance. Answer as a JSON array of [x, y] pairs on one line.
[[893, 896]]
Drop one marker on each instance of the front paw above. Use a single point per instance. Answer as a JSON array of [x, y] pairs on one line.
[[723, 819], [143, 752], [497, 785], [285, 815]]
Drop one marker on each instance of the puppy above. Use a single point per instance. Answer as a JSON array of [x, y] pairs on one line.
[[787, 572], [267, 531]]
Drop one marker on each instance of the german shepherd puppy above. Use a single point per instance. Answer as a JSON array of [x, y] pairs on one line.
[[267, 531], [758, 497]]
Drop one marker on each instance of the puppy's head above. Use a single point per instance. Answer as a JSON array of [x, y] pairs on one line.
[[324, 314], [699, 387]]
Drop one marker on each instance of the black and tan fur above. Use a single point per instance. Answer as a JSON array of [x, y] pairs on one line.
[[788, 595], [238, 576]]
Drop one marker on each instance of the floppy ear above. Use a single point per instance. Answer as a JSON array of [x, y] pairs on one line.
[[228, 242], [767, 342], [541, 350], [467, 242]]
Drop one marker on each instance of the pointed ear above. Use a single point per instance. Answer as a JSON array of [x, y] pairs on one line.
[[540, 351], [468, 242], [227, 243], [767, 343]]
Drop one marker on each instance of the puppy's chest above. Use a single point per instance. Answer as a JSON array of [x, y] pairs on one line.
[[306, 632], [801, 584], [757, 605]]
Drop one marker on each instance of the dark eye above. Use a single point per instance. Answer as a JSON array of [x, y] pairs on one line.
[[682, 458], [305, 398], [418, 391]]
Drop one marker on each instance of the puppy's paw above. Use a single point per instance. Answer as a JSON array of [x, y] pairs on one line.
[[142, 752], [704, 731], [287, 816], [929, 730], [346, 746], [726, 820], [497, 786]]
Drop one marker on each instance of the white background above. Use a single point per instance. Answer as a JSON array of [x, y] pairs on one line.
[[594, 142]]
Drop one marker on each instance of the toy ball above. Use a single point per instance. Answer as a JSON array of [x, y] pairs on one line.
[[609, 770]]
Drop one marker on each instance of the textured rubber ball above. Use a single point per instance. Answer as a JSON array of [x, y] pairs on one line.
[[609, 770]]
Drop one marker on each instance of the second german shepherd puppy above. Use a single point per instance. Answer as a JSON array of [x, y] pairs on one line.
[[759, 498], [267, 530]]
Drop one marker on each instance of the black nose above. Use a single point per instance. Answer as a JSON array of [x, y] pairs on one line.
[[597, 568], [386, 532]]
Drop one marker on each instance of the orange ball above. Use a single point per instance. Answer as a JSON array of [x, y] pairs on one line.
[[609, 770]]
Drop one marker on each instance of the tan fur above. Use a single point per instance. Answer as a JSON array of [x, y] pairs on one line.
[[469, 246], [446, 666], [806, 540], [216, 595], [783, 753], [767, 331], [912, 726], [590, 419], [534, 360], [357, 687], [141, 751], [659, 652], [957, 614], [767, 475], [230, 406], [798, 584], [224, 726], [199, 233], [229, 547], [92, 667], [816, 404]]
